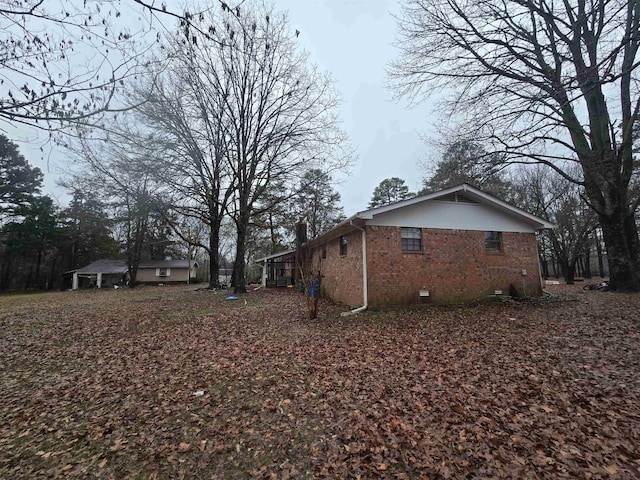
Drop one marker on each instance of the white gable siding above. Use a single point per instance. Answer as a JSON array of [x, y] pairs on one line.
[[452, 215]]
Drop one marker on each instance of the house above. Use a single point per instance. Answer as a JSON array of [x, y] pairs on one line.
[[101, 273], [106, 273], [278, 269], [166, 271], [455, 245]]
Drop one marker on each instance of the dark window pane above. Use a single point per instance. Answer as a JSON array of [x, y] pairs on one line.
[[343, 245], [493, 241], [411, 239]]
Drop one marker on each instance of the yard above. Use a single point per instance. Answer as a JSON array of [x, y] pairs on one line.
[[177, 383]]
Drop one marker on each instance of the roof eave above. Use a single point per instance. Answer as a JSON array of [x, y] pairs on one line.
[[274, 255]]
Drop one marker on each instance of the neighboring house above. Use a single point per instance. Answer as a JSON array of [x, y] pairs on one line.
[[106, 273], [451, 246], [166, 271], [101, 273]]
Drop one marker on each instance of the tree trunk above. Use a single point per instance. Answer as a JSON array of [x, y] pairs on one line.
[[543, 262], [272, 232], [239, 278], [214, 255], [569, 272], [52, 277], [621, 240], [579, 270], [38, 264], [587, 260], [599, 251], [135, 252], [27, 285], [5, 273]]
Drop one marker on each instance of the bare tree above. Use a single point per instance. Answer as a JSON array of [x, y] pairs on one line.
[[559, 201], [542, 82], [124, 176], [64, 62], [278, 113], [183, 108]]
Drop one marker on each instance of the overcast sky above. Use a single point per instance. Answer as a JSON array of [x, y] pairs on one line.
[[353, 41]]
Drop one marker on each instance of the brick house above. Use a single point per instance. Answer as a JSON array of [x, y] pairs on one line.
[[450, 246]]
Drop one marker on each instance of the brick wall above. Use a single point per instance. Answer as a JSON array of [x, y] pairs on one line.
[[453, 266], [342, 274]]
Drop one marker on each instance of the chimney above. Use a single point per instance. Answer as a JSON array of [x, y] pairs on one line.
[[301, 233]]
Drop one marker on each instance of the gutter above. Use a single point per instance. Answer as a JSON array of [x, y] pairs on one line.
[[365, 293]]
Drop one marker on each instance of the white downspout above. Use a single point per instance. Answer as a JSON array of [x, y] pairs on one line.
[[365, 293]]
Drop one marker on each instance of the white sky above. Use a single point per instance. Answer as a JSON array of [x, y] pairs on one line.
[[352, 40]]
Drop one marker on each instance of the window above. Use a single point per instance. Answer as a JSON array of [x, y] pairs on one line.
[[343, 245], [411, 239], [162, 272], [493, 241]]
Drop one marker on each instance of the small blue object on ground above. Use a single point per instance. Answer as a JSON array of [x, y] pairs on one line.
[[232, 297]]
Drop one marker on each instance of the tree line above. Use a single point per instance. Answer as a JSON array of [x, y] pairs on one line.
[[226, 124], [41, 241]]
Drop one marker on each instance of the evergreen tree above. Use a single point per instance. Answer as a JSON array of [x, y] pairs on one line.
[[317, 203], [27, 240], [19, 182], [465, 161], [389, 191], [85, 231]]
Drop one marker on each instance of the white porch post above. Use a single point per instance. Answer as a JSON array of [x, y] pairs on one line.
[[264, 274], [74, 284], [99, 280]]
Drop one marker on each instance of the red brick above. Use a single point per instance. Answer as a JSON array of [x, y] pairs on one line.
[[453, 266]]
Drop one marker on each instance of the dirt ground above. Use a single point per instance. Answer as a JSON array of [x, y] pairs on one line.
[[170, 382]]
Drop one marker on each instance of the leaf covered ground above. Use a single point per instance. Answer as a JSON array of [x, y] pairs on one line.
[[177, 383]]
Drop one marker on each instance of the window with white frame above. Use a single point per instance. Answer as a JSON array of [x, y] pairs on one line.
[[163, 272], [411, 239], [493, 241]]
